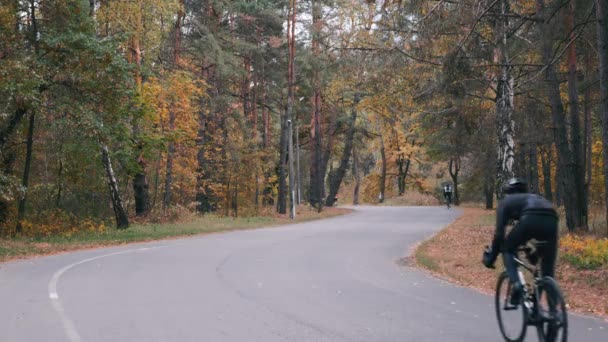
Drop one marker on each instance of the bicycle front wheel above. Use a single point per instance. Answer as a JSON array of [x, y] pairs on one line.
[[552, 311], [511, 318]]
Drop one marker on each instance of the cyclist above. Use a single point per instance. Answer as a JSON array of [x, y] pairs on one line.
[[536, 220], [447, 193]]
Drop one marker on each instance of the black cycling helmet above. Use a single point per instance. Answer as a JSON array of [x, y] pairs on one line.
[[516, 186]]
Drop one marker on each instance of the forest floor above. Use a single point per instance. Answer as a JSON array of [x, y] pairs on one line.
[[455, 254], [22, 247]]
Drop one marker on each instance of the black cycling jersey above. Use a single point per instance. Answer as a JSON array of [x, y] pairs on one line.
[[513, 207]]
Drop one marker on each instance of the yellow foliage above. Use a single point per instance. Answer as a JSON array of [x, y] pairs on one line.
[[60, 223], [585, 252]]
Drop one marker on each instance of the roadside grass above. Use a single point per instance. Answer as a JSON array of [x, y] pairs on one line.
[[455, 253], [24, 247], [423, 259]]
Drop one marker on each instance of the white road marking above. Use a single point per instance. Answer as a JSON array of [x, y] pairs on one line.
[[68, 324]]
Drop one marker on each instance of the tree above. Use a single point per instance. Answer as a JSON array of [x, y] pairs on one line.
[[601, 12]]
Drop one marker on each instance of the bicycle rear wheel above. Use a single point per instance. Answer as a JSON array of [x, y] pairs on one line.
[[512, 320], [552, 311]]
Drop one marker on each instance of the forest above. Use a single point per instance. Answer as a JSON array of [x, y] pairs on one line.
[[116, 111]]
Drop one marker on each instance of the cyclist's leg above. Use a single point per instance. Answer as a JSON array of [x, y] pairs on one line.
[[518, 236], [548, 231]]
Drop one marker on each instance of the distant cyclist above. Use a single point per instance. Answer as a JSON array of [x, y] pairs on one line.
[[447, 193], [536, 220]]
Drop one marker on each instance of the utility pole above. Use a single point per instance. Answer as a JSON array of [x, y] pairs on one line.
[[292, 188]]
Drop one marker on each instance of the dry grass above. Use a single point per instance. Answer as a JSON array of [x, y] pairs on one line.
[[412, 198], [455, 253]]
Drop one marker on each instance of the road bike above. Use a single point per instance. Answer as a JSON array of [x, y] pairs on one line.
[[542, 304], [448, 200]]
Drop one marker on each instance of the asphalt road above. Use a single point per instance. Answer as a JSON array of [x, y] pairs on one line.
[[331, 280]]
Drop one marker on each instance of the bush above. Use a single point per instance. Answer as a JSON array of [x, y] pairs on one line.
[[585, 252], [176, 213], [59, 223]]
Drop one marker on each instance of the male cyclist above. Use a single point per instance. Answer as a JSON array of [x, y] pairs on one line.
[[536, 220], [447, 193]]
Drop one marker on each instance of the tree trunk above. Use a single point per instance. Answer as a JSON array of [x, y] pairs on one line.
[[282, 195], [292, 185], [489, 163], [287, 124], [59, 184], [177, 34], [336, 180], [26, 171], [588, 141], [169, 172], [206, 197], [383, 171], [533, 169], [400, 178], [122, 221], [504, 103], [298, 171], [564, 153], [454, 169], [578, 167], [317, 173], [488, 190], [12, 124], [141, 189], [559, 187], [140, 180], [601, 11], [545, 159], [357, 175], [265, 114]]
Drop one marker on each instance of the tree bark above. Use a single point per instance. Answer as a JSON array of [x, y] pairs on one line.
[[169, 172], [545, 159], [533, 169], [12, 124], [588, 141], [504, 103], [140, 180], [316, 171], [575, 128], [282, 195], [357, 175], [177, 34], [298, 171], [488, 190], [454, 170], [59, 184], [336, 180], [565, 163], [26, 171], [601, 11], [287, 121], [122, 221], [383, 171]]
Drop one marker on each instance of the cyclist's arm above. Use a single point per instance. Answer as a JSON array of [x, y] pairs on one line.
[[502, 218]]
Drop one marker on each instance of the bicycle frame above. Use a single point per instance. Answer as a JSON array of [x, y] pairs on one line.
[[530, 302]]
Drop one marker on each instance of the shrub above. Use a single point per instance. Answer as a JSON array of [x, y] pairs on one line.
[[585, 252], [59, 223]]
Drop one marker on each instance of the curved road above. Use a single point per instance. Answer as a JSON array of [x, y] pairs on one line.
[[330, 280]]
